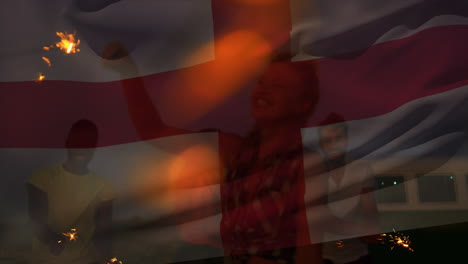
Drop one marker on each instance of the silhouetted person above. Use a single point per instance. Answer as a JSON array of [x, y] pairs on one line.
[[70, 196], [350, 184]]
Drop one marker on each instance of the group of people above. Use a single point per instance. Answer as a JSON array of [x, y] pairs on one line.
[[266, 217]]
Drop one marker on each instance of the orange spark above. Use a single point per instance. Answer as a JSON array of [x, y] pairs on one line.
[[40, 78], [46, 60], [340, 244], [48, 47], [114, 260], [398, 239], [67, 43], [72, 236]]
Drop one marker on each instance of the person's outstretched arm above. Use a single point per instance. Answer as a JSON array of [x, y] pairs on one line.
[[145, 114]]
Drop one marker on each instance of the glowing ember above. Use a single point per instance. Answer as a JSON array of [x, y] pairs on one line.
[[46, 60], [339, 244], [40, 78], [114, 260], [72, 235], [67, 43], [398, 239]]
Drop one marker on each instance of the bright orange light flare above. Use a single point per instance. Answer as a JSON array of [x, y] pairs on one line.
[[189, 183], [197, 166], [192, 185], [240, 57], [68, 44], [339, 244], [40, 78], [72, 235], [46, 60], [189, 172]]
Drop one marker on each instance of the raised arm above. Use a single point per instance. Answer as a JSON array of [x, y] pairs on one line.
[[143, 113]]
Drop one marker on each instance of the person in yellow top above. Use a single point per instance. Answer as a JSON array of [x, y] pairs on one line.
[[71, 197]]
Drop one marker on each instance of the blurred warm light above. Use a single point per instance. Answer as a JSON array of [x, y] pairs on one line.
[[184, 182], [239, 57], [194, 177], [196, 166], [259, 2], [179, 181], [148, 181]]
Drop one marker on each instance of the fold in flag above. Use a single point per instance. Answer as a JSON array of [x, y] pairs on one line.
[[395, 71]]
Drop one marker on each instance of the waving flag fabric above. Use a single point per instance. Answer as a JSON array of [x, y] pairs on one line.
[[396, 71]]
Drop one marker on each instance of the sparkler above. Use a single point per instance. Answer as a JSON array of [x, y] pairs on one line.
[[398, 239], [114, 260], [40, 78], [72, 235], [68, 44]]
